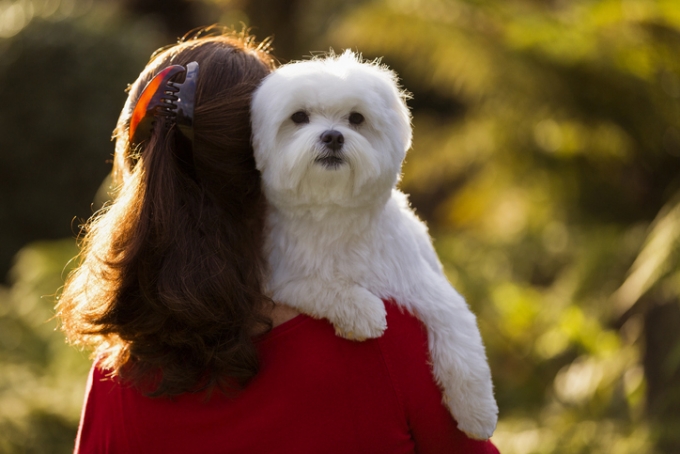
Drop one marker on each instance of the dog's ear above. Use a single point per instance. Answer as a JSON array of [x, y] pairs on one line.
[[397, 102], [396, 95]]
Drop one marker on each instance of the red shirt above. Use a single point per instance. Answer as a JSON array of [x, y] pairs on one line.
[[315, 393]]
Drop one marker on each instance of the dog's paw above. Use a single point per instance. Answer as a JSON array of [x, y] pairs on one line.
[[359, 315], [477, 419]]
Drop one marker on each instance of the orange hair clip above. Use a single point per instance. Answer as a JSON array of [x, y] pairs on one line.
[[171, 101]]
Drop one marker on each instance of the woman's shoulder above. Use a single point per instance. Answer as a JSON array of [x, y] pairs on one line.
[[402, 322], [100, 428], [407, 355], [405, 340]]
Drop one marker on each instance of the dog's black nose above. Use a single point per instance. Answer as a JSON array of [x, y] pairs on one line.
[[333, 139]]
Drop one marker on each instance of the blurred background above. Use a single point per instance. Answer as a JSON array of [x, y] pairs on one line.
[[546, 162]]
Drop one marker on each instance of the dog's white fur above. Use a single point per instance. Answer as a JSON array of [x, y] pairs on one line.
[[341, 238]]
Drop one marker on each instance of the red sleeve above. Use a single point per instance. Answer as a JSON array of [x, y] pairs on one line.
[[100, 429], [406, 352]]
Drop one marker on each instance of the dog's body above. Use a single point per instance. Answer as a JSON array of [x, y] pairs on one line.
[[330, 136]]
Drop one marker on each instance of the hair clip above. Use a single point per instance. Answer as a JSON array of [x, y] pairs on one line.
[[171, 101]]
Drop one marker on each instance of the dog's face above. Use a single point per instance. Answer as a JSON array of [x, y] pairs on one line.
[[330, 131]]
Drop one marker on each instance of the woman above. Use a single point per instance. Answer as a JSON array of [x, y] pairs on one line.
[[191, 356]]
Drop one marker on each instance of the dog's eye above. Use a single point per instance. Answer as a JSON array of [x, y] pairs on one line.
[[300, 117], [356, 118]]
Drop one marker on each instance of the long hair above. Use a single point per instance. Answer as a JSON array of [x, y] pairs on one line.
[[168, 289]]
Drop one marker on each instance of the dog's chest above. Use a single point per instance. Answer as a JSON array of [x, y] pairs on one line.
[[367, 253]]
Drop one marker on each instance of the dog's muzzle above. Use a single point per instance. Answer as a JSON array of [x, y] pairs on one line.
[[332, 141]]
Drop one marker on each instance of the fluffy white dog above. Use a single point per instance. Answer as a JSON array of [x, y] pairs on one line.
[[330, 136]]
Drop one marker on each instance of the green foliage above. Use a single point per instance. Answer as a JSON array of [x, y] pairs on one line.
[[546, 162], [546, 142], [62, 82], [43, 379]]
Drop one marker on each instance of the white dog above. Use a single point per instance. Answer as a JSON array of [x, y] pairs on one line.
[[330, 136]]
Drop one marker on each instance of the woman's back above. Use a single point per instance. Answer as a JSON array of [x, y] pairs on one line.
[[315, 393]]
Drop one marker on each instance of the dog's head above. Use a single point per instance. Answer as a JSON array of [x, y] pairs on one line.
[[331, 131]]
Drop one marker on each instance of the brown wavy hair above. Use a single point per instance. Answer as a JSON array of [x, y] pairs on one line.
[[168, 289]]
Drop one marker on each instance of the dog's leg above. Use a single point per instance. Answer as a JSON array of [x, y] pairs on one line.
[[355, 312], [459, 361]]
